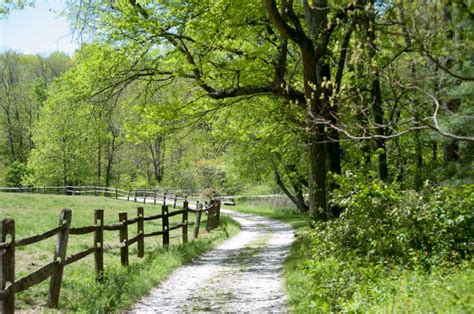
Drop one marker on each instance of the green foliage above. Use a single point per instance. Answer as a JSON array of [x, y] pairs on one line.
[[15, 173], [390, 251], [325, 284], [382, 224], [24, 81], [65, 147], [7, 6]]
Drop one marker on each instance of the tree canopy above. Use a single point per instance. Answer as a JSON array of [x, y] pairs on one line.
[[286, 94]]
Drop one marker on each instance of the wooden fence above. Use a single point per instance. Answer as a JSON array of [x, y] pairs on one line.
[[113, 192], [54, 270]]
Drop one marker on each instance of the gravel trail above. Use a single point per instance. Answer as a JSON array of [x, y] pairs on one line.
[[244, 274]]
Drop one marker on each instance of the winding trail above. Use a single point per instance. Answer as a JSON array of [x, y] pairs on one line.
[[244, 274]]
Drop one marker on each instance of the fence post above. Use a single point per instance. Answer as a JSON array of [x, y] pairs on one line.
[[164, 198], [198, 220], [128, 196], [95, 190], [116, 193], [185, 222], [154, 202], [144, 197], [8, 265], [59, 256], [135, 196], [99, 244], [140, 232], [218, 219], [124, 238], [175, 199], [166, 226]]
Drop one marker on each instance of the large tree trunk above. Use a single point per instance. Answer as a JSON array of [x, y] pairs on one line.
[[377, 109], [317, 174]]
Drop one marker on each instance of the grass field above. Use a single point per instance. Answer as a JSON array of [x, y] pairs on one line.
[[34, 214]]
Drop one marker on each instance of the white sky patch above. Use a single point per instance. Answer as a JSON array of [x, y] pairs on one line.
[[39, 29]]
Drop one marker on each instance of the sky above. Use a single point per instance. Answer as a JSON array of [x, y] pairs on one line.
[[37, 30]]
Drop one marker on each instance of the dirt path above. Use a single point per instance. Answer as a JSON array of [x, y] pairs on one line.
[[243, 274]]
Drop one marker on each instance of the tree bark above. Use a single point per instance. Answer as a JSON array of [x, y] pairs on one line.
[[297, 198], [377, 109]]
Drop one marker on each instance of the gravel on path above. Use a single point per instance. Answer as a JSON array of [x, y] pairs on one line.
[[244, 274]]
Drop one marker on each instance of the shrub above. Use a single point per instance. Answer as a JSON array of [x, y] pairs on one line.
[[15, 173], [382, 224]]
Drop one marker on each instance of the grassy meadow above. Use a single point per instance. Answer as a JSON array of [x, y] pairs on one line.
[[35, 213]]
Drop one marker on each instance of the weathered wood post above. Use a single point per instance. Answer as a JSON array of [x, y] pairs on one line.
[[59, 256], [197, 223], [175, 200], [185, 222], [218, 219], [140, 232], [8, 265], [135, 196], [154, 198], [166, 226], [124, 238], [144, 197], [116, 193], [128, 196], [99, 244], [164, 198]]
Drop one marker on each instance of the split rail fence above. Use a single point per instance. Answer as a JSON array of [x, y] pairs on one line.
[[113, 192], [54, 270]]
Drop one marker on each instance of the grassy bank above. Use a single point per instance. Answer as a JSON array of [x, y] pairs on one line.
[[122, 286], [318, 283]]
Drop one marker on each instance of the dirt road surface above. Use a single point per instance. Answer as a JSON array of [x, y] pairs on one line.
[[244, 274]]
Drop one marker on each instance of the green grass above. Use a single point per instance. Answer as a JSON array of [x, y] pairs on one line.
[[290, 216], [327, 285], [441, 291], [122, 286]]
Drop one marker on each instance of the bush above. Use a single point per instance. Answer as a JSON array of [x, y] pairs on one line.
[[15, 173], [390, 251], [382, 224]]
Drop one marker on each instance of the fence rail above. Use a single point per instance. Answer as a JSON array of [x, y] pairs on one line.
[[63, 232], [100, 190]]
